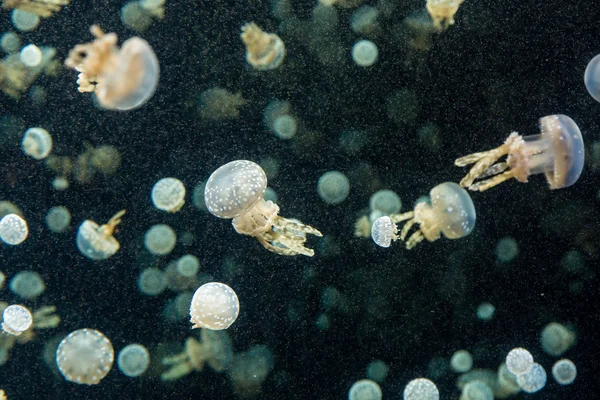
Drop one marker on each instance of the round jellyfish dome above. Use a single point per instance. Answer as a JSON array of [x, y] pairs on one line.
[[58, 219], [13, 229], [452, 212], [168, 194], [507, 250], [285, 126], [533, 380], [333, 187], [386, 201], [31, 56], [477, 390], [97, 242], [556, 339], [105, 159], [27, 284], [24, 21], [10, 42], [519, 361], [133, 360], [564, 371], [377, 371], [461, 361], [485, 311], [85, 356], [383, 231], [220, 348], [188, 266], [421, 389], [152, 281], [364, 53], [234, 188], [160, 239], [364, 389], [16, 319], [214, 306]]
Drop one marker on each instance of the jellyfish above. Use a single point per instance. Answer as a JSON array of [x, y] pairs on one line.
[[364, 53], [85, 356], [519, 361], [235, 190], [461, 361], [285, 127], [507, 383], [264, 51], [97, 242], [556, 339], [42, 8], [138, 15], [533, 380], [364, 21], [31, 55], [377, 371], [123, 79], [476, 390], [16, 319], [214, 306], [364, 389], [507, 249], [421, 389], [152, 281], [383, 231], [386, 201], [13, 229], [485, 311], [442, 12], [168, 194], [451, 213], [133, 360], [557, 152], [333, 187], [24, 21], [160, 239], [58, 219], [564, 371], [37, 143], [27, 285], [591, 78], [188, 266], [10, 42]]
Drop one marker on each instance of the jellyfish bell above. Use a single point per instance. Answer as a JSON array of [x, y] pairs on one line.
[[85, 356], [214, 306], [16, 319], [97, 242], [13, 229]]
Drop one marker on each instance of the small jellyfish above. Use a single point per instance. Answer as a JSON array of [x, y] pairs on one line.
[[264, 51], [31, 56], [97, 242], [556, 339], [235, 190], [442, 12], [133, 360], [533, 380], [123, 79], [377, 370], [58, 219], [564, 371], [476, 390], [10, 42], [364, 389], [13, 229], [383, 231], [364, 21], [37, 143], [285, 127], [485, 311], [507, 249], [160, 239], [591, 78], [451, 213], [333, 187], [386, 201], [461, 361], [557, 151], [188, 266], [27, 285], [364, 53], [519, 361], [220, 104], [24, 20], [249, 370], [152, 281], [507, 382], [168, 194], [421, 389], [214, 306], [16, 319], [85, 356]]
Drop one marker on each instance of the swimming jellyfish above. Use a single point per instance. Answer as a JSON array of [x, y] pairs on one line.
[[519, 361], [235, 190], [27, 284], [533, 380], [451, 213], [133, 360], [591, 78], [421, 389], [442, 12], [564, 371], [97, 242], [364, 389], [37, 143], [557, 152], [214, 306], [264, 51], [556, 339], [42, 8], [13, 229], [16, 319], [168, 194], [122, 79], [85, 356]]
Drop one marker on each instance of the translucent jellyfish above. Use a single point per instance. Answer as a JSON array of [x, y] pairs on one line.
[[476, 390], [27, 285], [451, 213], [24, 21], [377, 370], [198, 196], [37, 143], [6, 207], [333, 187], [285, 127], [533, 380], [442, 12], [364, 53], [235, 190], [591, 77], [160, 239], [97, 242], [152, 281], [556, 339], [85, 356], [270, 195], [123, 79], [219, 104], [461, 361], [364, 389], [105, 159], [42, 8], [383, 231], [10, 42], [485, 311], [507, 249], [16, 319], [31, 55], [364, 21], [214, 306], [13, 229], [421, 389], [135, 17], [168, 194], [386, 201], [507, 383], [557, 152], [188, 266], [519, 361], [564, 371], [264, 51], [250, 369], [133, 360], [58, 219]]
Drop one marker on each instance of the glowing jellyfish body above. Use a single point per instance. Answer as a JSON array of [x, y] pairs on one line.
[[160, 239], [96, 242], [152, 281], [364, 53], [386, 201], [123, 79], [519, 361], [364, 389], [557, 152], [37, 143], [591, 78], [564, 371], [16, 319], [168, 194], [10, 42], [27, 284], [58, 219], [442, 12], [477, 390], [556, 339], [13, 229], [485, 311], [533, 380], [31, 56], [383, 231], [421, 389], [24, 21], [214, 306], [133, 360], [285, 127], [85, 356], [461, 361], [333, 187], [377, 371], [264, 51], [188, 266]]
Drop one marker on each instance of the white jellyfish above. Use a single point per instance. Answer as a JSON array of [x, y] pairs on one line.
[[133, 360], [386, 201], [533, 380], [364, 53], [564, 371], [485, 311], [421, 389], [58, 219], [333, 187], [519, 361], [27, 285], [13, 229], [168, 194], [160, 239], [461, 361], [285, 127], [188, 266], [24, 21], [31, 56], [556, 339], [214, 306], [97, 242], [364, 389], [16, 319], [383, 231], [85, 356], [152, 281]]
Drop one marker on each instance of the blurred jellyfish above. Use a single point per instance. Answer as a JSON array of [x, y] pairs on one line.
[[364, 21], [60, 183], [188, 266], [13, 229], [39, 8], [533, 380], [198, 196], [519, 361], [275, 109], [264, 51], [31, 56], [160, 239], [421, 389], [429, 136], [564, 371], [24, 21], [16, 319], [442, 12], [507, 383], [485, 311], [10, 42], [377, 370], [178, 281], [105, 159], [364, 389], [591, 78], [386, 201], [123, 79], [27, 285], [152, 281], [364, 53], [85, 356], [58, 219], [135, 17], [333, 187], [218, 104], [461, 361], [97, 242], [383, 231], [352, 141], [507, 250], [285, 127], [168, 194], [250, 369], [6, 207], [556, 339], [133, 360], [214, 306], [476, 390]]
